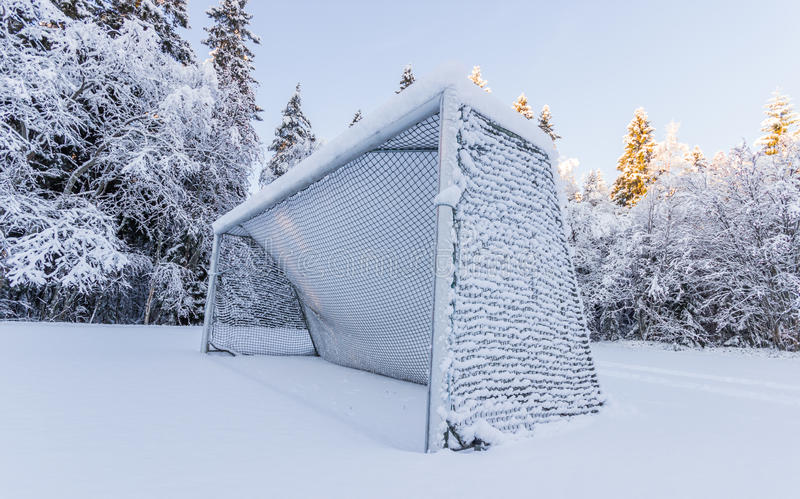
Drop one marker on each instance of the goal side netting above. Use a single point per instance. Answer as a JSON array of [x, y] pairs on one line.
[[343, 267], [518, 347], [256, 307]]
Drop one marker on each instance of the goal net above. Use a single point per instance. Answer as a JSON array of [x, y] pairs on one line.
[[345, 262], [427, 245]]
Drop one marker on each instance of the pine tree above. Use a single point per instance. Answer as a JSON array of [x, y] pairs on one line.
[[406, 80], [669, 155], [166, 16], [477, 79], [233, 59], [546, 123], [522, 107], [595, 189], [566, 173], [697, 161], [294, 140], [780, 124], [634, 164], [719, 161], [83, 9], [356, 118]]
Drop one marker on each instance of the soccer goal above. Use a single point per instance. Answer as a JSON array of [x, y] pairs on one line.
[[426, 243]]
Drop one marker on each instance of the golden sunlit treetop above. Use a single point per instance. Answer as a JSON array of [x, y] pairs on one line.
[[476, 78], [522, 107]]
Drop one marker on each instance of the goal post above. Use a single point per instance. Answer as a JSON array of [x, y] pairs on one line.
[[443, 273], [425, 244], [211, 295]]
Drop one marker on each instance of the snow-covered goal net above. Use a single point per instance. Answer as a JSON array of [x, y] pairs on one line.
[[353, 263], [425, 244]]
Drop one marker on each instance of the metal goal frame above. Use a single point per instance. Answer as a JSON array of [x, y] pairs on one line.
[[466, 406]]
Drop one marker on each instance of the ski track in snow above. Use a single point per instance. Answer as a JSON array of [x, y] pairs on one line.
[[703, 387], [778, 393], [710, 377]]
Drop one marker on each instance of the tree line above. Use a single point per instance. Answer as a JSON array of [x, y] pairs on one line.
[[693, 251], [119, 148]]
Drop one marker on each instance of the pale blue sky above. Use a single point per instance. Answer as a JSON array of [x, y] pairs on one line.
[[709, 65]]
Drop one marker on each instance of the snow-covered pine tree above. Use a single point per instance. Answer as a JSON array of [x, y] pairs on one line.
[[228, 37], [406, 79], [546, 123], [634, 164], [697, 160], [522, 107], [164, 16], [232, 59], [294, 140], [595, 189], [569, 185], [669, 156], [780, 125], [83, 9], [477, 79], [356, 118]]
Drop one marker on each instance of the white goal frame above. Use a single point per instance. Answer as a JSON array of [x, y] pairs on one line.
[[448, 94]]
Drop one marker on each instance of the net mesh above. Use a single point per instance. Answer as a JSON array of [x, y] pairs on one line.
[[519, 347], [349, 260], [254, 302]]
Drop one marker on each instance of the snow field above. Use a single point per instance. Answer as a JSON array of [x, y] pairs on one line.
[[131, 411]]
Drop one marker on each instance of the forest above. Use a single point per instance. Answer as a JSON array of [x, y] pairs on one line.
[[119, 147]]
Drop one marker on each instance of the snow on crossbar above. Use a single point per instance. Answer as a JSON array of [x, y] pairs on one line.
[[427, 244]]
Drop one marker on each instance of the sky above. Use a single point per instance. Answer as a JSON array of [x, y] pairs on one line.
[[708, 65]]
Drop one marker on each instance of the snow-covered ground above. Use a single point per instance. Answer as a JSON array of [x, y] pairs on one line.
[[115, 412]]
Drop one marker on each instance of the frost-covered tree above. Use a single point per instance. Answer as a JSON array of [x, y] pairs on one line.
[[669, 155], [294, 140], [569, 185], [356, 118], [641, 293], [546, 123], [595, 189], [113, 169], [719, 160], [634, 164], [84, 9], [708, 257], [697, 160], [747, 251], [164, 16], [476, 78], [228, 38], [522, 107], [780, 127], [592, 227], [406, 79]]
